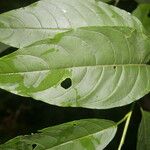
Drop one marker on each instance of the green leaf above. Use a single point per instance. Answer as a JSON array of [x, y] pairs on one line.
[[89, 134], [93, 67], [143, 142], [43, 19], [143, 13]]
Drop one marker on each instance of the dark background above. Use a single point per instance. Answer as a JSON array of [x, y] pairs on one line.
[[20, 115]]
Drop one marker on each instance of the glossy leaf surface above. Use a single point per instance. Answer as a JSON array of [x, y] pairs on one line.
[[97, 67], [144, 132], [89, 134], [45, 18]]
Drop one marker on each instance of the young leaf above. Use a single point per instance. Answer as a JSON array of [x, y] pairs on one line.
[[89, 134], [143, 14], [144, 132], [93, 67], [43, 19]]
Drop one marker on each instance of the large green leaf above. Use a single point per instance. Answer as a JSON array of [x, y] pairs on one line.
[[89, 134], [95, 67], [144, 132], [45, 18], [143, 13]]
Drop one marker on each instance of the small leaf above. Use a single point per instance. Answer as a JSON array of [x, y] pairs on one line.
[[46, 18], [94, 67], [143, 142], [89, 134], [143, 14]]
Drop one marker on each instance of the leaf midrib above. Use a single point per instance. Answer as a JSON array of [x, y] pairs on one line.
[[68, 141], [35, 28], [46, 70], [69, 28]]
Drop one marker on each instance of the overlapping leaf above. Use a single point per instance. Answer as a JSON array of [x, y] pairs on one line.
[[144, 132], [45, 18], [105, 67], [143, 13], [89, 134]]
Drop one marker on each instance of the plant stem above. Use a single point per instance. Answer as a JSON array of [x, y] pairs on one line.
[[122, 120], [125, 130], [127, 118]]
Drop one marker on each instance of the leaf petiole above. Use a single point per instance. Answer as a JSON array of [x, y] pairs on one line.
[[127, 118]]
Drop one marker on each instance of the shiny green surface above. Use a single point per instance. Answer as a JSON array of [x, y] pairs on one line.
[[143, 142], [107, 67], [86, 134], [46, 18]]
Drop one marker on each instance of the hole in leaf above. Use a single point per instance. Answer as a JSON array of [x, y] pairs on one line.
[[148, 14], [66, 83], [33, 146], [114, 67]]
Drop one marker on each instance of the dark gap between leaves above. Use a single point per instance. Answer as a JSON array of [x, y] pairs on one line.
[[8, 51]]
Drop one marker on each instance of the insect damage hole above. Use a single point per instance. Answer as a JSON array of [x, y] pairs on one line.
[[34, 146], [114, 67], [148, 14], [66, 83]]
